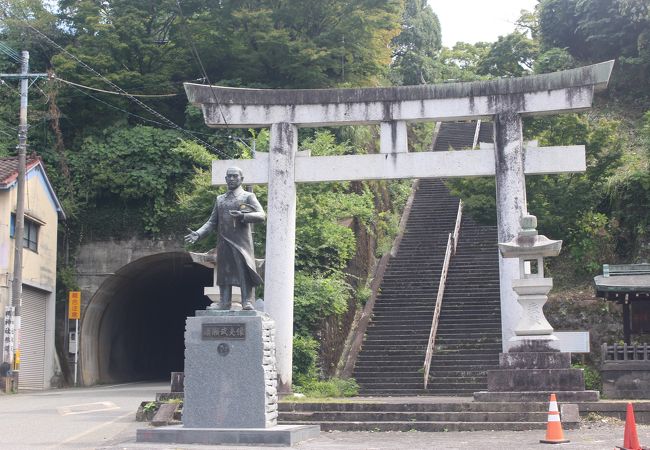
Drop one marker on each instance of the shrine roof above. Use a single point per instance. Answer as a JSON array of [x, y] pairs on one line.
[[623, 279], [637, 283]]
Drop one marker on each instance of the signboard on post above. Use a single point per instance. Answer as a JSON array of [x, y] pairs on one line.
[[74, 305], [74, 313], [8, 334]]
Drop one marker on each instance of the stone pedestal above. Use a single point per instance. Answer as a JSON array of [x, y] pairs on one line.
[[531, 372], [626, 379], [230, 384], [230, 375]]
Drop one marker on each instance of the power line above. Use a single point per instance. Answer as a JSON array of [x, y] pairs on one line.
[[113, 92], [131, 97], [8, 134], [117, 107], [9, 126], [4, 83], [10, 52]]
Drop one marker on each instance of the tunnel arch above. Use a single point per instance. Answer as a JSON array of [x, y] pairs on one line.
[[132, 327]]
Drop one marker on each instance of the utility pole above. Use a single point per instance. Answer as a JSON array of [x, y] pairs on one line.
[[17, 283]]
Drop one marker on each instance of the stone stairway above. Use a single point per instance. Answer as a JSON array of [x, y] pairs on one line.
[[469, 333], [391, 358], [468, 341], [412, 414]]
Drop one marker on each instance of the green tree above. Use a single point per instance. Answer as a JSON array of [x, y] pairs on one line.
[[462, 61], [597, 30], [554, 60], [296, 43], [629, 192], [416, 47], [512, 55], [137, 172], [136, 45]]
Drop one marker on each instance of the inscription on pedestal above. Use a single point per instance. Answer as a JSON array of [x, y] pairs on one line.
[[221, 331]]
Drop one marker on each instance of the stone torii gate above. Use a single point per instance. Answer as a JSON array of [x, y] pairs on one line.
[[504, 101]]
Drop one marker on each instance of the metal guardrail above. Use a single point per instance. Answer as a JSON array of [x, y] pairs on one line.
[[625, 352], [452, 242]]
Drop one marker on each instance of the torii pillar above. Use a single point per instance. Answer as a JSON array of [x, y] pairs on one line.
[[505, 101]]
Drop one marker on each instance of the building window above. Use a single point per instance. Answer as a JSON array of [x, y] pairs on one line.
[[30, 238]]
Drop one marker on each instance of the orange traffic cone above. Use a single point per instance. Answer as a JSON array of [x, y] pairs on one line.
[[630, 438], [554, 434]]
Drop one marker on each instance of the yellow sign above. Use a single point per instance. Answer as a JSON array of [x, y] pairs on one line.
[[74, 307]]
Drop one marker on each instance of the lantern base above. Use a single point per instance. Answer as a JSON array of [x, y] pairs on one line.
[[533, 365]]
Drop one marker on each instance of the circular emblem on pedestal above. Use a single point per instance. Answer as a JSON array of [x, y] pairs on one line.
[[223, 349]]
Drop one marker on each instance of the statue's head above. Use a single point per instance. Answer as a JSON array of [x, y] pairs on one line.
[[234, 177]]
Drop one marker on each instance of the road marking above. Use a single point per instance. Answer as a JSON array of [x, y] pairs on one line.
[[85, 408], [90, 430], [97, 388]]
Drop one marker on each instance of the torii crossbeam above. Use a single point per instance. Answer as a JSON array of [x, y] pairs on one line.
[[504, 101]]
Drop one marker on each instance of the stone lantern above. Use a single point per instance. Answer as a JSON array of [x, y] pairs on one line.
[[532, 288], [534, 366]]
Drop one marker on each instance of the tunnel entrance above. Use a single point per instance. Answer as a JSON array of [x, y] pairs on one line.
[[133, 328]]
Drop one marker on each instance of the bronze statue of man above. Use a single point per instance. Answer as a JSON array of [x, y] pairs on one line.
[[232, 216]]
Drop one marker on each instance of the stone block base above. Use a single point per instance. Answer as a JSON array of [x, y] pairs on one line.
[[626, 379], [531, 372], [535, 360], [506, 380], [280, 435]]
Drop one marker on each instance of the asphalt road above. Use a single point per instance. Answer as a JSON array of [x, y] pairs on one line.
[[104, 418], [71, 418]]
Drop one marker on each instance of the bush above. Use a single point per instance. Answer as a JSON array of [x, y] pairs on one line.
[[316, 298], [334, 387], [593, 381], [305, 355]]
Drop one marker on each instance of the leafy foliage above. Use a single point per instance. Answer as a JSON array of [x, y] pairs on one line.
[[316, 298], [140, 168], [332, 388], [305, 357], [510, 56], [324, 244], [415, 48], [296, 43], [598, 30], [462, 61]]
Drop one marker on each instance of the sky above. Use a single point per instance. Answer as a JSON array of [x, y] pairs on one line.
[[477, 20]]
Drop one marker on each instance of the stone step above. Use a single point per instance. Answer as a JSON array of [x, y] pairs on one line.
[[390, 354], [399, 386], [423, 426], [384, 346], [376, 367], [407, 379], [416, 405], [390, 416]]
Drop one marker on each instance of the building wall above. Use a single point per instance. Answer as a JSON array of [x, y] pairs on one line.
[[39, 268]]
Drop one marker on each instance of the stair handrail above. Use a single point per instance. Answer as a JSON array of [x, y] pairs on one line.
[[452, 241], [459, 217]]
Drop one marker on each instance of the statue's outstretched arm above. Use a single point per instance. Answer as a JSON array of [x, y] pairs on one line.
[[254, 211], [208, 226]]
